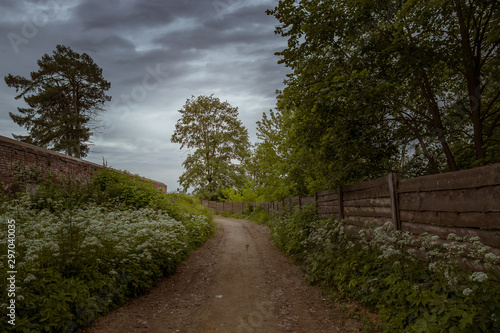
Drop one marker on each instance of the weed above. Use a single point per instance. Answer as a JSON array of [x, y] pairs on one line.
[[84, 248], [383, 270]]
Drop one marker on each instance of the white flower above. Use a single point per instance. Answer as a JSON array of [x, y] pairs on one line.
[[29, 277], [491, 257], [478, 277], [467, 291]]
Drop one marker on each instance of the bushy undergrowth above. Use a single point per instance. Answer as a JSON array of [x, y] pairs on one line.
[[84, 249], [254, 214], [290, 230], [259, 215], [416, 284]]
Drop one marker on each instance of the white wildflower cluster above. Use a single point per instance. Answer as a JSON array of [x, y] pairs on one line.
[[442, 256], [390, 242], [480, 254], [467, 291], [93, 233], [327, 237], [478, 277]]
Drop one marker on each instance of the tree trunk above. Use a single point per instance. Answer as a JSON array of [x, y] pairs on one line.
[[472, 71], [436, 122]]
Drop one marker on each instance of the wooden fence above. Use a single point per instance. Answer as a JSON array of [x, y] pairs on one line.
[[463, 202]]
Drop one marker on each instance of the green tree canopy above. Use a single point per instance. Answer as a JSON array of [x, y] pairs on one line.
[[63, 96], [220, 143], [379, 86]]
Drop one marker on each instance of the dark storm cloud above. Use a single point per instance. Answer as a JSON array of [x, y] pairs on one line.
[[243, 27], [126, 15], [15, 7], [156, 54]]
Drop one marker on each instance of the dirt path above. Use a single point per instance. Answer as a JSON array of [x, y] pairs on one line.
[[236, 282]]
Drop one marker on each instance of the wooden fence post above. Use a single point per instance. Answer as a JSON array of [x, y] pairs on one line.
[[393, 180], [316, 203], [300, 202], [341, 203]]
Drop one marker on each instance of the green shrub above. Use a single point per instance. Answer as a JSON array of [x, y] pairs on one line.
[[259, 215], [384, 270], [249, 208], [291, 228], [84, 249]]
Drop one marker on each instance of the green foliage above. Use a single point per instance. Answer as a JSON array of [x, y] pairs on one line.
[[270, 162], [3, 191], [381, 86], [384, 270], [111, 188], [126, 191], [52, 188], [188, 204], [255, 214], [212, 128], [259, 215], [248, 193], [83, 251], [63, 96], [291, 228]]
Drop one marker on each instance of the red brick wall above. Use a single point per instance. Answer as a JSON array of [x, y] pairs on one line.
[[22, 156]]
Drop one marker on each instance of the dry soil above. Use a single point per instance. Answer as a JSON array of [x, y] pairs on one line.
[[236, 282]]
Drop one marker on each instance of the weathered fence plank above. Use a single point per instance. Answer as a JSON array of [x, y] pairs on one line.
[[483, 199], [488, 237], [368, 211], [486, 220], [473, 178], [381, 191], [329, 196], [368, 202], [392, 181]]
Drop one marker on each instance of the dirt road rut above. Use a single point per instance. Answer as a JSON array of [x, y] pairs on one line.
[[236, 282]]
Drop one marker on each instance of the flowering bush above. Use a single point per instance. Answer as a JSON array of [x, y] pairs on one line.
[[418, 284], [291, 228], [77, 262]]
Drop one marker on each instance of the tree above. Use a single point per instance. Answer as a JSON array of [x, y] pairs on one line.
[[64, 97], [221, 144], [269, 163], [372, 76]]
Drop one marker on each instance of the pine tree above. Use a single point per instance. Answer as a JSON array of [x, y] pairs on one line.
[[64, 97]]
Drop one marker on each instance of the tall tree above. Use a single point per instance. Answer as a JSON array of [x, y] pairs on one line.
[[220, 140], [410, 72], [270, 159], [64, 96]]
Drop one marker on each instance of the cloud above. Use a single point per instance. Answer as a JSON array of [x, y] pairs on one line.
[[156, 54]]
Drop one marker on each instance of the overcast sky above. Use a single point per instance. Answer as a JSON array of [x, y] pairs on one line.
[[156, 54]]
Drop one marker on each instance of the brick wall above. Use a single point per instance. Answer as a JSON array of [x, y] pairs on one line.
[[20, 156]]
